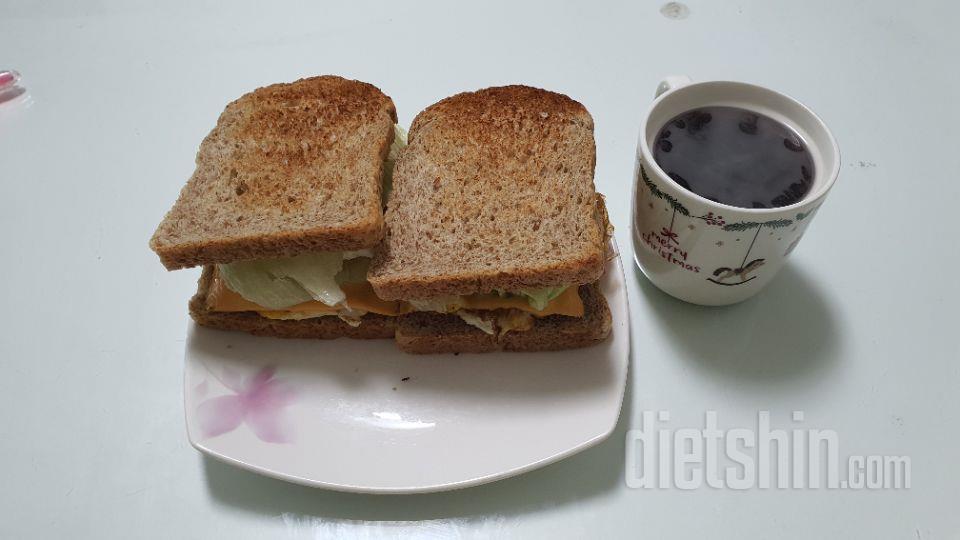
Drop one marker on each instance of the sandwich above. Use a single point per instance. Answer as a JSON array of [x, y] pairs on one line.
[[284, 211], [495, 235]]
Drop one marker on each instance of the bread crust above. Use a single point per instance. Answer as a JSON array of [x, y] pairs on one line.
[[430, 333], [289, 168], [494, 191]]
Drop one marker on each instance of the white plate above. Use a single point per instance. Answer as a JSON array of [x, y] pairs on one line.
[[361, 416]]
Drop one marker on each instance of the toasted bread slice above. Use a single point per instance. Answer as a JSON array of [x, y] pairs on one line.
[[494, 191], [426, 332], [289, 168], [372, 326]]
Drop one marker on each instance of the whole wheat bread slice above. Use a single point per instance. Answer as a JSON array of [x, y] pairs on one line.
[[427, 332], [494, 191], [372, 326], [289, 168]]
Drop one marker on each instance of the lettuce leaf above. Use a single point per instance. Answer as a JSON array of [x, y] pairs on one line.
[[476, 321], [280, 283], [539, 298], [354, 270], [254, 281]]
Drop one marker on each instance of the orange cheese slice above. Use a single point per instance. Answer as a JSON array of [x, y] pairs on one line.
[[360, 296], [568, 303]]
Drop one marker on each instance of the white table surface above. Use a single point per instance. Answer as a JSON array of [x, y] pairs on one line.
[[859, 331]]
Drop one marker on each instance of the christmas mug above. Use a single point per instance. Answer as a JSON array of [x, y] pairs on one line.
[[707, 252]]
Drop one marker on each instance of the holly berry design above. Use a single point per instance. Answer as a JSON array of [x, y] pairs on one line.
[[712, 219]]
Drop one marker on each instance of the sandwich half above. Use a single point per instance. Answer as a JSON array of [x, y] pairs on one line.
[[496, 236], [285, 209]]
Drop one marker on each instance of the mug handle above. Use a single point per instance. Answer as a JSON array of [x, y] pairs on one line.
[[672, 82]]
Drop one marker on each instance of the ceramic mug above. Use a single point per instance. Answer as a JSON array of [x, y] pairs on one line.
[[707, 252]]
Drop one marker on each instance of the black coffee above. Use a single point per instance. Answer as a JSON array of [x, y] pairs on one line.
[[736, 157]]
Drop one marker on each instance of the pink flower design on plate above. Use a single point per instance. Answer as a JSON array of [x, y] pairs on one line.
[[258, 401]]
